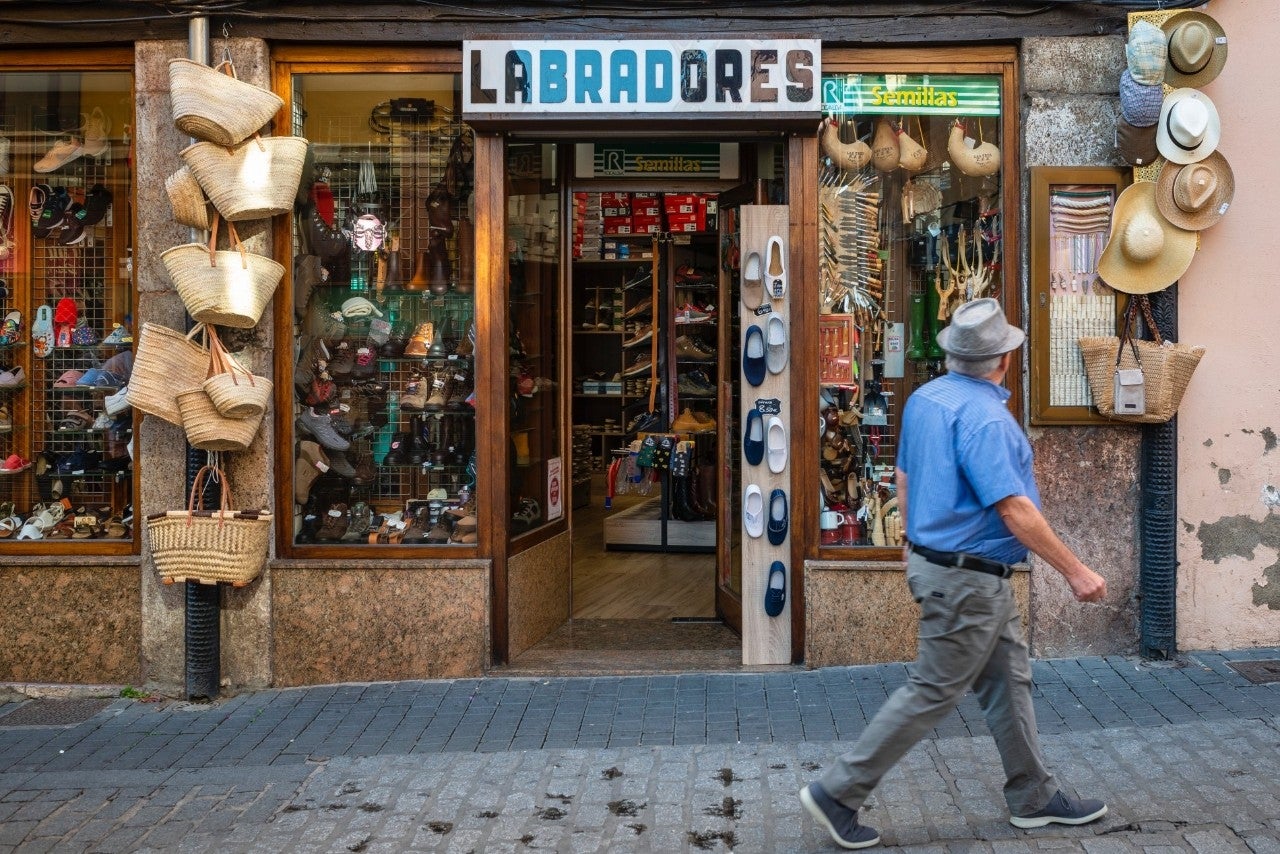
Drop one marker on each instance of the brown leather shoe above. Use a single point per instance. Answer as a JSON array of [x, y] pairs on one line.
[[333, 524]]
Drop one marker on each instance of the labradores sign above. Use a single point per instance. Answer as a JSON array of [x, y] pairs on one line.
[[644, 76]]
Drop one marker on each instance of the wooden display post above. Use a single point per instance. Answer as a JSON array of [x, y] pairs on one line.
[[765, 639]]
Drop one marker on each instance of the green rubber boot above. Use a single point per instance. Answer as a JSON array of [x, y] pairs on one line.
[[932, 303], [915, 331]]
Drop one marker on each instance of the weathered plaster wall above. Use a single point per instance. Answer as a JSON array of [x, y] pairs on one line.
[[1087, 475], [1228, 460]]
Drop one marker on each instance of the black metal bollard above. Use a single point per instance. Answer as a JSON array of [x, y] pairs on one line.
[[1158, 522]]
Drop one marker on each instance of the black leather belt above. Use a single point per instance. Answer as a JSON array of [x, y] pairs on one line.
[[961, 560]]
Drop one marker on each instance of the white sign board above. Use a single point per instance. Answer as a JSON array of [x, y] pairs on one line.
[[597, 76], [555, 488]]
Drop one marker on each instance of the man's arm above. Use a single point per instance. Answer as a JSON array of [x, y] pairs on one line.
[[1025, 521], [900, 477]]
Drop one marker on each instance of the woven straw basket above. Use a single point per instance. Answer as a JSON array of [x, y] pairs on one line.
[[209, 546], [1166, 370], [254, 180], [210, 103], [210, 430], [166, 363], [234, 391], [227, 287], [190, 207]]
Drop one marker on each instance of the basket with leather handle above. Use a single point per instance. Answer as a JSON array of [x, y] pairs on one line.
[[1166, 367], [166, 362], [232, 388], [226, 287], [209, 546], [213, 104], [256, 179]]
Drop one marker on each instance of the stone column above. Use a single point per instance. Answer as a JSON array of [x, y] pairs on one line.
[[161, 447]]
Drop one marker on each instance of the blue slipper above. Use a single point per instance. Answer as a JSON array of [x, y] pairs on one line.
[[775, 591], [753, 438], [753, 364], [777, 517]]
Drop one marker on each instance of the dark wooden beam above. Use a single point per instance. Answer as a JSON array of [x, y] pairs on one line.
[[876, 23]]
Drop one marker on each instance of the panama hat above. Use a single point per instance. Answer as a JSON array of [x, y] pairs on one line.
[[1145, 253], [978, 330], [1189, 127], [1139, 102], [1197, 195], [1146, 53], [1197, 49]]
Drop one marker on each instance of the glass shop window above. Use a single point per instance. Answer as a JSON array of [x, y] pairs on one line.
[[66, 303], [384, 305], [909, 176]]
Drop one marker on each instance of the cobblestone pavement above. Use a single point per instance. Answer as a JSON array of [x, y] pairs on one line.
[[1186, 755]]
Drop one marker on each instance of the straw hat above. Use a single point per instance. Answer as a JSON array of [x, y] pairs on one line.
[[1139, 102], [1137, 146], [1146, 253], [978, 330], [1195, 196], [1197, 49], [1189, 127], [1146, 53]]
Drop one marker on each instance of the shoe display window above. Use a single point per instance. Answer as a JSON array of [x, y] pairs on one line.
[[383, 401], [911, 201], [66, 306]]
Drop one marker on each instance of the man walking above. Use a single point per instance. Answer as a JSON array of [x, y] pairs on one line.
[[972, 510]]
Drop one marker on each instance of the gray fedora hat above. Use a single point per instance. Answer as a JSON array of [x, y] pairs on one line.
[[978, 330]]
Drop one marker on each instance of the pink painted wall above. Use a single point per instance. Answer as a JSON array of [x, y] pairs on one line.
[[1229, 301]]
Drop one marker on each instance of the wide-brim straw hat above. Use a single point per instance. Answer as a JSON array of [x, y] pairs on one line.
[[1197, 49], [1197, 195], [1189, 127], [978, 330], [1145, 253]]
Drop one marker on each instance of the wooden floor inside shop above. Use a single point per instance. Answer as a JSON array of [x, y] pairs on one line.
[[633, 612]]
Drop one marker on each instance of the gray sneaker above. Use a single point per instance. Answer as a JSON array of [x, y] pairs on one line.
[[840, 821], [1062, 810], [321, 427]]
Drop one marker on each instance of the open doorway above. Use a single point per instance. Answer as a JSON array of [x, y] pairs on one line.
[[650, 393]]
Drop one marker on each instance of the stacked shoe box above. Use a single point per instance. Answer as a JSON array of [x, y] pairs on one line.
[[616, 208], [646, 213], [587, 225], [689, 212]]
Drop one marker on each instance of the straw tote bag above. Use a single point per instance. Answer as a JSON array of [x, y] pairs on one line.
[[222, 286], [210, 430], [1166, 368], [209, 546], [233, 390], [190, 207], [166, 363], [257, 179], [212, 104]]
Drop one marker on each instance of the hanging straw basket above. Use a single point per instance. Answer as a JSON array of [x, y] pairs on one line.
[[190, 207], [208, 429], [210, 103], [254, 180], [226, 287], [234, 391], [209, 546], [166, 363]]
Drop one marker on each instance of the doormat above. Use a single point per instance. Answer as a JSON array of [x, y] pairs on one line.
[[1258, 672], [53, 712]]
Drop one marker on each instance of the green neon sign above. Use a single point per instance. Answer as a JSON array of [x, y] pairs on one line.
[[911, 94]]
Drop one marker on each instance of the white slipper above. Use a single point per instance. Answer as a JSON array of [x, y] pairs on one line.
[[753, 511], [775, 271]]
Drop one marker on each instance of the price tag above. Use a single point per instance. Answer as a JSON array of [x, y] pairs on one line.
[[769, 406]]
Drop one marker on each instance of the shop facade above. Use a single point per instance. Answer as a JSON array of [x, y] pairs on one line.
[[445, 327]]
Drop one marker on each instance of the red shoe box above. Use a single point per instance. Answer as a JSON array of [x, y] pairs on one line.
[[617, 225], [686, 222], [646, 204], [680, 203]]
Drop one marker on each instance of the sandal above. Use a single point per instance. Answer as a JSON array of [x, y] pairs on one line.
[[115, 528], [79, 419], [11, 328], [9, 526]]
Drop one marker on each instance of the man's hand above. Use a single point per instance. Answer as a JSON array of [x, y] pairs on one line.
[[1024, 521], [1088, 586]]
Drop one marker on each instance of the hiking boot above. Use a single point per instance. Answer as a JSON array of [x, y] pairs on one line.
[[342, 363], [333, 524], [840, 821], [321, 427], [1062, 810], [441, 385]]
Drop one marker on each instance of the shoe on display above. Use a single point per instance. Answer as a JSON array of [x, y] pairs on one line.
[[73, 230], [775, 592], [689, 350], [333, 524], [11, 328], [13, 378], [14, 464], [753, 367], [59, 154], [753, 281], [753, 437], [96, 204], [343, 362], [687, 274], [321, 427], [41, 332], [96, 129], [686, 422], [440, 387], [753, 511], [102, 422], [642, 364], [339, 465], [775, 347], [708, 423], [312, 462], [642, 307], [642, 334], [777, 444], [119, 336], [643, 276], [6, 422], [52, 210], [690, 313], [420, 342], [775, 268], [778, 518]]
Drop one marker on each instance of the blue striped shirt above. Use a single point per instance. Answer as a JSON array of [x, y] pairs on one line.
[[962, 452]]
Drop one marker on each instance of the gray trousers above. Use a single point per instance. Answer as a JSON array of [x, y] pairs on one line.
[[970, 637]]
